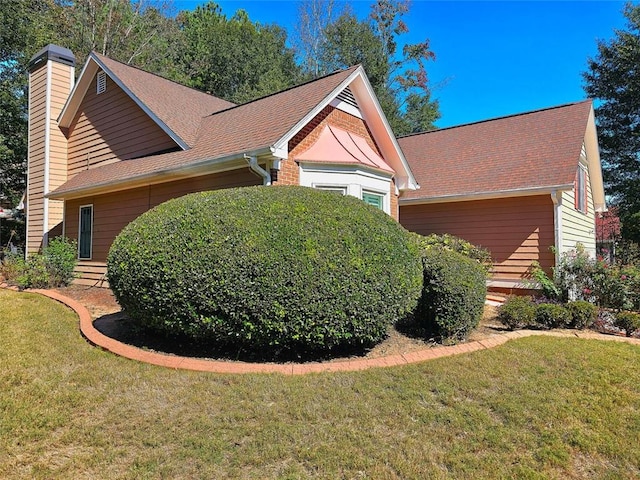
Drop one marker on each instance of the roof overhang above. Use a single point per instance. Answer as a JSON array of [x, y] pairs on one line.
[[170, 174], [89, 70], [594, 164], [375, 120], [519, 192]]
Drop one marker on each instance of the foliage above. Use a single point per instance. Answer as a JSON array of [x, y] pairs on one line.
[[627, 321], [399, 79], [583, 314], [517, 312], [546, 285], [627, 253], [51, 268], [60, 259], [455, 244], [552, 315], [234, 58], [453, 294], [613, 79], [266, 270]]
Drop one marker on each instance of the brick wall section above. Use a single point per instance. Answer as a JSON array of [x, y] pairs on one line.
[[289, 173], [393, 210]]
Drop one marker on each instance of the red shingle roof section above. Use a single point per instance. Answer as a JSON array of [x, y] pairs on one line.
[[232, 132], [532, 150], [180, 108]]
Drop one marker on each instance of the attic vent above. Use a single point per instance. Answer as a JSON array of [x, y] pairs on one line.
[[101, 83], [347, 97]]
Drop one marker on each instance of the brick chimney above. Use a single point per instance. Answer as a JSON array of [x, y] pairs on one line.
[[51, 78]]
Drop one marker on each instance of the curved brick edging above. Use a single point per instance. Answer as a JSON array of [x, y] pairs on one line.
[[218, 366]]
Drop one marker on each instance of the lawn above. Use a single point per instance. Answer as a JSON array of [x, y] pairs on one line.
[[538, 407]]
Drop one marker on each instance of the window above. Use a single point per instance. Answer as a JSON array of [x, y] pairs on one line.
[[101, 83], [581, 189], [374, 199], [85, 230], [333, 188]]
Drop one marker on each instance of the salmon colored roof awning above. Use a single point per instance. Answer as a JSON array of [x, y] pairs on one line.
[[339, 146]]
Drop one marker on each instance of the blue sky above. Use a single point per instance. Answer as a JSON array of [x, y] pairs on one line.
[[492, 58]]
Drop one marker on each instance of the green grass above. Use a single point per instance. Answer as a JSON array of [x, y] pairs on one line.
[[538, 407]]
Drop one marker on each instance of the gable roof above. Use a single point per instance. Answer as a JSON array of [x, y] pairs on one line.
[[177, 109], [508, 156], [261, 127]]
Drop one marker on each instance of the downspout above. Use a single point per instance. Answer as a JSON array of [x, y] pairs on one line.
[[556, 198], [253, 165]]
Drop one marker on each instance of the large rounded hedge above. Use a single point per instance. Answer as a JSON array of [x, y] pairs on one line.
[[266, 269]]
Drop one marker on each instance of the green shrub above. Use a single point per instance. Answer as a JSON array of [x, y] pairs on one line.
[[517, 312], [267, 270], [627, 321], [583, 314], [552, 315], [60, 258], [453, 294], [51, 268], [455, 244]]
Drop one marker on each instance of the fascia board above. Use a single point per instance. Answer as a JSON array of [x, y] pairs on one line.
[[520, 192]]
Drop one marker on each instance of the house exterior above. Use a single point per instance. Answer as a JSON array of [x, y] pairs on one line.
[[527, 187], [118, 141]]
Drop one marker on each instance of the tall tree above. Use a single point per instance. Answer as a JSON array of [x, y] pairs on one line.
[[235, 58], [314, 16], [399, 79], [613, 77], [135, 32]]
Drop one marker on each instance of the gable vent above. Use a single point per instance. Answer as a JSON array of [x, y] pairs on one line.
[[101, 83], [347, 97]]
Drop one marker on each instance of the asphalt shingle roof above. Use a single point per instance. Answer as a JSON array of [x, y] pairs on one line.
[[180, 108], [240, 129], [532, 150]]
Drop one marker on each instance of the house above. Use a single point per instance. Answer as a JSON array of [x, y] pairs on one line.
[[119, 141], [527, 187]]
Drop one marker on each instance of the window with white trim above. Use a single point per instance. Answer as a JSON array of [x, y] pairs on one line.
[[101, 82], [581, 189], [85, 232], [333, 188], [374, 199]]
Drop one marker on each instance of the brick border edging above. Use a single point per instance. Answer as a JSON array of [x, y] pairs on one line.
[[217, 366]]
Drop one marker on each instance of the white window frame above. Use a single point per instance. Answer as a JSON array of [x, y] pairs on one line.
[[80, 232], [374, 193], [581, 194], [355, 178]]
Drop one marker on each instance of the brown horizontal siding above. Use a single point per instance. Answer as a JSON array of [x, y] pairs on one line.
[[517, 231], [112, 212], [110, 127]]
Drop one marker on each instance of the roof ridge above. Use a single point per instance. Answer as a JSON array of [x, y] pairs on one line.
[[493, 119], [293, 87], [101, 56]]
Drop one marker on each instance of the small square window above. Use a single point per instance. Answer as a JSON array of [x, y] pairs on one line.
[[101, 83], [333, 188], [374, 199]]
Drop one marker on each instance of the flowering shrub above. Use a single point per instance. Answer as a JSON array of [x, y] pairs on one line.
[[580, 277]]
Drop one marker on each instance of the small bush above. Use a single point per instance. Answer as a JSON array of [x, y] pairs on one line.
[[517, 312], [51, 268], [455, 244], [583, 314], [453, 294], [266, 271], [552, 315], [60, 258], [627, 321]]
